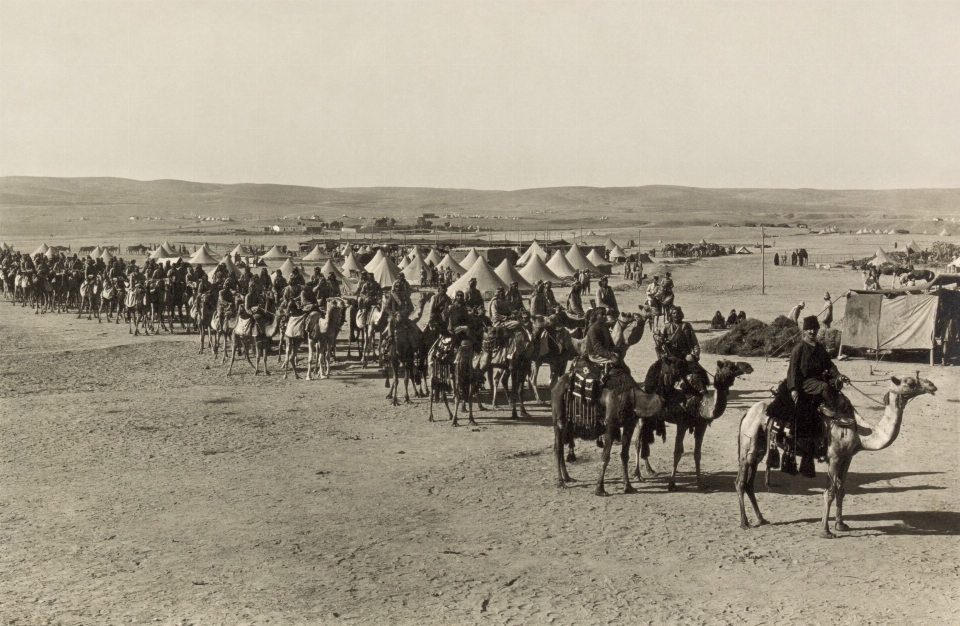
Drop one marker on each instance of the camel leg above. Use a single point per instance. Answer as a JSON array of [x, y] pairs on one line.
[[750, 450], [643, 454], [559, 436], [406, 384], [535, 369], [517, 378], [233, 357], [571, 455], [677, 454], [310, 358], [625, 457], [842, 476], [457, 399], [698, 434], [604, 459], [833, 474]]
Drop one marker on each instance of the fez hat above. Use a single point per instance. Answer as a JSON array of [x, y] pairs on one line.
[[810, 323]]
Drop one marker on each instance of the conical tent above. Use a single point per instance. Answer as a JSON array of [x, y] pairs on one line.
[[509, 274], [487, 279], [201, 257], [455, 267], [314, 255], [350, 264], [228, 263], [595, 258], [434, 257], [560, 265], [386, 272], [208, 249], [913, 246], [41, 250], [329, 267], [617, 253], [6, 246], [943, 233], [702, 242], [742, 250], [274, 253], [287, 268], [412, 269], [374, 262], [50, 254], [96, 252], [533, 250], [414, 251], [470, 259], [240, 250], [161, 253], [578, 261], [880, 258], [536, 270], [610, 244], [405, 261], [107, 255]]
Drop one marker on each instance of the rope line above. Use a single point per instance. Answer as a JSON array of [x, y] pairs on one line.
[[865, 395]]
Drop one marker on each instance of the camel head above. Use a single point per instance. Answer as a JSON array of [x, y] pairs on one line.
[[646, 312], [728, 371], [910, 387]]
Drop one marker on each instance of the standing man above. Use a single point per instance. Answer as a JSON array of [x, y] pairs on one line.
[[827, 312], [795, 312]]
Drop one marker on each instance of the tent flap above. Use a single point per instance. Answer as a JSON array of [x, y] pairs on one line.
[[907, 322]]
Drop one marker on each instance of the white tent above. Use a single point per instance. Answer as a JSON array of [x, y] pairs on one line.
[[595, 258], [350, 264], [96, 252], [240, 250], [955, 262], [913, 246], [274, 253], [610, 244], [487, 279], [434, 257], [534, 249], [412, 269], [404, 262], [314, 255], [386, 272], [107, 255], [228, 263], [5, 246], [50, 254], [560, 265], [374, 262], [617, 253], [330, 267], [880, 258], [202, 257], [470, 259], [287, 268], [742, 250], [536, 270], [943, 233], [509, 274], [455, 267], [578, 260], [162, 253]]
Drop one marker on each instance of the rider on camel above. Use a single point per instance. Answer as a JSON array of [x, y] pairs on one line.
[[441, 305], [225, 302], [473, 297], [538, 301], [500, 314], [679, 342], [599, 347], [514, 299], [605, 295]]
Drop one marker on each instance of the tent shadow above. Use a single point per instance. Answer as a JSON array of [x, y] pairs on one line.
[[784, 484], [916, 523]]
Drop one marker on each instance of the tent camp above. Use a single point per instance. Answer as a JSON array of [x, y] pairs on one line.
[[487, 279], [742, 250], [351, 265], [509, 274], [329, 268], [880, 258], [228, 263], [534, 249], [287, 268], [374, 262], [455, 267], [386, 272], [536, 270], [274, 253], [610, 244], [579, 261], [412, 269], [893, 319], [162, 253], [202, 257], [315, 255], [50, 254], [240, 250], [96, 252], [617, 254], [404, 262], [560, 266]]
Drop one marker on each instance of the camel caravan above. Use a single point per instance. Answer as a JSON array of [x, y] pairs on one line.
[[486, 331]]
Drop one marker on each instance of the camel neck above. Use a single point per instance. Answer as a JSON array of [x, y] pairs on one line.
[[887, 429]]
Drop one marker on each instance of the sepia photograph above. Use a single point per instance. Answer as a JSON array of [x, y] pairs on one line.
[[454, 312]]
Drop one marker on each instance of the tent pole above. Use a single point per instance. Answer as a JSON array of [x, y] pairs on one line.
[[763, 285]]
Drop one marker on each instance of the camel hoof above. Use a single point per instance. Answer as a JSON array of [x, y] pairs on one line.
[[745, 525], [472, 422], [430, 419], [524, 415], [599, 492], [672, 486], [455, 424], [571, 457], [826, 534], [841, 527], [629, 489], [762, 522], [561, 484]]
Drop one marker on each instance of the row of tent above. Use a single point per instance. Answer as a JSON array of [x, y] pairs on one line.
[[877, 231]]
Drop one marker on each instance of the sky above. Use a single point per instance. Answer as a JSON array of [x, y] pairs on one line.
[[485, 94]]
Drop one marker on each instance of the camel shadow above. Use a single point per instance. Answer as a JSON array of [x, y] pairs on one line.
[[916, 523], [785, 484]]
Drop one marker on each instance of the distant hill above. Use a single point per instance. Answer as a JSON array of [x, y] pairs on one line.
[[560, 206]]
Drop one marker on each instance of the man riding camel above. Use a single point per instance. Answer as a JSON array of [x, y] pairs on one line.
[[514, 299], [473, 297], [678, 341], [605, 295]]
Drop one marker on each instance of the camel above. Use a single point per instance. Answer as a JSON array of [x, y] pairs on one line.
[[322, 333], [294, 333], [842, 444], [400, 344], [247, 333], [620, 412], [90, 297], [202, 310], [708, 409], [111, 298], [136, 305]]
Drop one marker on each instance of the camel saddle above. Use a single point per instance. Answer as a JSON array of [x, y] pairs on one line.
[[589, 379]]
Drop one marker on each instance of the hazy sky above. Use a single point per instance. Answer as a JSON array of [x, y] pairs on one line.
[[484, 94]]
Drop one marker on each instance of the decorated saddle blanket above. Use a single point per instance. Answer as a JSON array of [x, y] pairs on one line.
[[296, 327]]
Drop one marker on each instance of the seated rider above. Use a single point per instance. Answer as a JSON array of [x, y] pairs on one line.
[[599, 347], [253, 304], [574, 301], [514, 299], [605, 295], [678, 341], [225, 302], [717, 323], [812, 374], [473, 297], [441, 306], [539, 306], [500, 314]]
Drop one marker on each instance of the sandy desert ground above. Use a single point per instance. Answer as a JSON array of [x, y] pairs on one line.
[[142, 485]]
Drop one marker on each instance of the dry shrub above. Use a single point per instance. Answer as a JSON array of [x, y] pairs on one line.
[[754, 338]]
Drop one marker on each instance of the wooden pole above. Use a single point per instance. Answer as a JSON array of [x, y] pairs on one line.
[[763, 285]]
